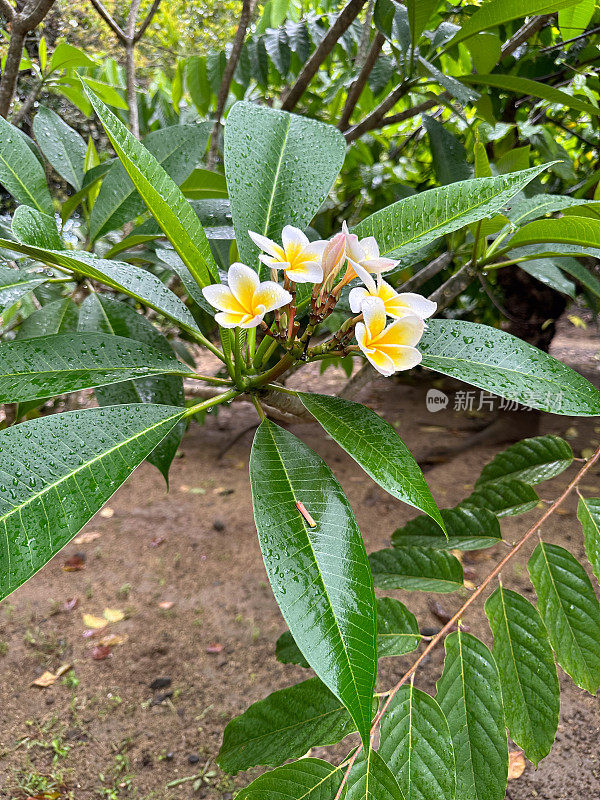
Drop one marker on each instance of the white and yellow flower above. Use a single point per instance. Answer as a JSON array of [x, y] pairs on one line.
[[297, 256], [396, 304], [392, 348], [245, 301], [363, 257]]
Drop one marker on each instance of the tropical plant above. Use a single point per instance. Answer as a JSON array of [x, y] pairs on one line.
[[279, 291]]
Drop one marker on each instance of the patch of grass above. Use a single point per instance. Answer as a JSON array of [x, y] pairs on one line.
[[28, 782]]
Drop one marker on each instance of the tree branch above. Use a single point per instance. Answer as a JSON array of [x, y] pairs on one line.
[[7, 10], [147, 21], [524, 33], [232, 62], [116, 29], [359, 84], [21, 24], [373, 119], [346, 17]]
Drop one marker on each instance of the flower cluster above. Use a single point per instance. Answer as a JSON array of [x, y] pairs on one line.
[[244, 301]]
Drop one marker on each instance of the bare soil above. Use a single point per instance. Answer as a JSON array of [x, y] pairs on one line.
[[153, 712]]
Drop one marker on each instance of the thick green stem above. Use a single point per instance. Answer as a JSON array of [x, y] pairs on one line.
[[275, 372], [213, 401], [238, 359]]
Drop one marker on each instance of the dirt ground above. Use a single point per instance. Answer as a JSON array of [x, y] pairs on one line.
[[153, 712]]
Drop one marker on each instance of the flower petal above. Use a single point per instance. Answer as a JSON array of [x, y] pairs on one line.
[[306, 272], [370, 247], [274, 263], [362, 337], [419, 305], [268, 245], [227, 320], [243, 282], [293, 238], [404, 357], [379, 265], [356, 297], [373, 312], [271, 295], [314, 249], [252, 322], [222, 297], [382, 362], [406, 331], [353, 248]]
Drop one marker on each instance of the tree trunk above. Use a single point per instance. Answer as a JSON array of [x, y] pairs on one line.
[[134, 122], [8, 83]]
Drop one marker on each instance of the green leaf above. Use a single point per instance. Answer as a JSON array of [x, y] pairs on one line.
[[397, 628], [588, 513], [496, 12], [500, 363], [416, 569], [437, 132], [580, 231], [202, 183], [58, 316], [467, 529], [280, 168], [68, 362], [63, 147], [581, 274], [66, 56], [525, 209], [526, 86], [21, 173], [177, 149], [416, 743], [547, 271], [397, 634], [371, 779], [196, 79], [485, 49], [411, 223], [469, 695], [103, 314], [162, 196], [570, 610], [573, 20], [134, 281], [448, 153], [320, 575], [419, 14], [376, 447], [14, 283], [531, 460], [32, 227], [307, 779], [58, 471], [284, 725], [506, 498], [530, 689], [106, 93]]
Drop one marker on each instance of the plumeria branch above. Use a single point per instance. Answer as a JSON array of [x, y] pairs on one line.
[[455, 619]]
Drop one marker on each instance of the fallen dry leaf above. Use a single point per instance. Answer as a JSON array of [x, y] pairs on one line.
[[74, 563], [107, 513], [62, 669], [113, 614], [71, 604], [46, 679], [438, 611], [101, 652], [90, 621], [217, 647], [86, 537], [166, 605], [112, 640], [516, 764], [158, 541]]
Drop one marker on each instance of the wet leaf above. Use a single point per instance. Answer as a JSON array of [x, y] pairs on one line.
[[90, 621], [113, 614]]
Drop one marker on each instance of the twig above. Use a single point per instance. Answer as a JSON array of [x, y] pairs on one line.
[[429, 271], [581, 36], [359, 84], [524, 33], [116, 29], [232, 62], [474, 596], [373, 119], [149, 17], [345, 18]]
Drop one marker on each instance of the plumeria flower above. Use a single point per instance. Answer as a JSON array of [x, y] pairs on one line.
[[300, 258], [388, 349], [245, 301], [363, 257], [397, 305]]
